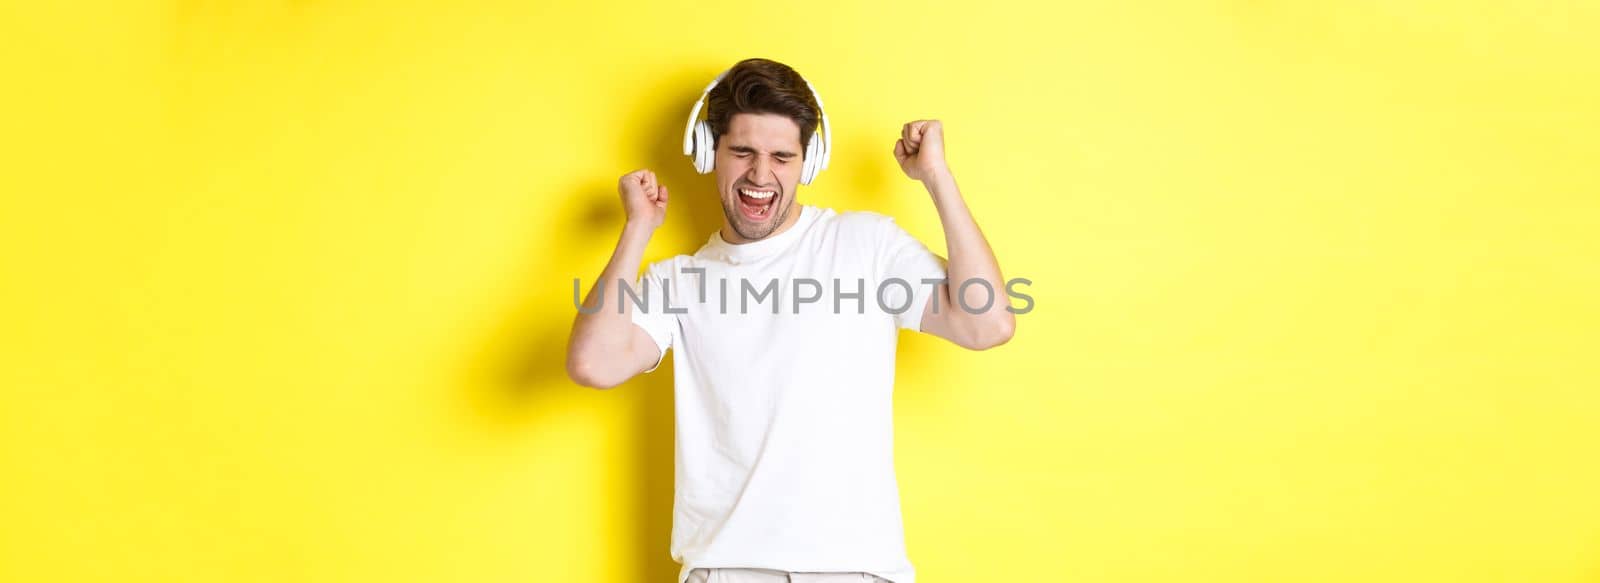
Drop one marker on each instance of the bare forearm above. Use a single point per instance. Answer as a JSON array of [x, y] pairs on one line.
[[982, 306], [604, 326], [978, 317]]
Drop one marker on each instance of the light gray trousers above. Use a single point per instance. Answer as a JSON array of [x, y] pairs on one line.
[[744, 575]]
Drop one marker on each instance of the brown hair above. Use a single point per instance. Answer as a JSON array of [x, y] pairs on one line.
[[762, 86]]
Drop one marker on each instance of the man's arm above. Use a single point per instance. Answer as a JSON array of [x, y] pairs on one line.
[[606, 348], [920, 152]]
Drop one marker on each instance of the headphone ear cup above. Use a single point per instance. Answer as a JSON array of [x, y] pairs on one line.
[[808, 171], [825, 152], [699, 145], [705, 153]]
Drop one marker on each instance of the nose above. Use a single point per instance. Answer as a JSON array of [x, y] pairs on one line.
[[762, 168]]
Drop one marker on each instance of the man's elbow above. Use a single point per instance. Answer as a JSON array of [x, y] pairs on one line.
[[585, 371], [993, 332]]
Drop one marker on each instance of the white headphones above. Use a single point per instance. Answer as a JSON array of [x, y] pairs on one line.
[[698, 141]]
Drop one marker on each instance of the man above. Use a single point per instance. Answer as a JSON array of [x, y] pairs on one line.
[[784, 443]]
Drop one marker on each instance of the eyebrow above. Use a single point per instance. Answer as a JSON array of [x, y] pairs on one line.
[[750, 150]]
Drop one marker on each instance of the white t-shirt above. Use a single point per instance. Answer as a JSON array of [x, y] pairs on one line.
[[784, 421]]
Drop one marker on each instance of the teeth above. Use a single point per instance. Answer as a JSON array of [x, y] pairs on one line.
[[757, 194]]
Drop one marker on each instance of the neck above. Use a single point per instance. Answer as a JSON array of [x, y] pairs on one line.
[[732, 236]]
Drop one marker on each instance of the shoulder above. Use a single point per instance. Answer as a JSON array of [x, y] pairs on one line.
[[668, 268], [857, 219], [867, 225]]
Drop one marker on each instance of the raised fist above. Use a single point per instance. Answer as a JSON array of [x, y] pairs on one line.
[[644, 200], [920, 149]]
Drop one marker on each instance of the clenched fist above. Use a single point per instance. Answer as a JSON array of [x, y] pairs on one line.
[[920, 149], [644, 200]]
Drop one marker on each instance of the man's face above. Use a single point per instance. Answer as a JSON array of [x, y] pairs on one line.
[[759, 155]]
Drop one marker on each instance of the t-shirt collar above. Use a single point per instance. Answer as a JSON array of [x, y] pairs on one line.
[[719, 248]]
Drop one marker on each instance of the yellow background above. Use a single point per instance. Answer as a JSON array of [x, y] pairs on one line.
[[285, 286]]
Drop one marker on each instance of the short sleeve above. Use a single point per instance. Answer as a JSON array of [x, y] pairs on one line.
[[906, 259], [652, 317]]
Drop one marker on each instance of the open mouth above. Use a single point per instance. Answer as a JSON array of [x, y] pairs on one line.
[[757, 203]]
